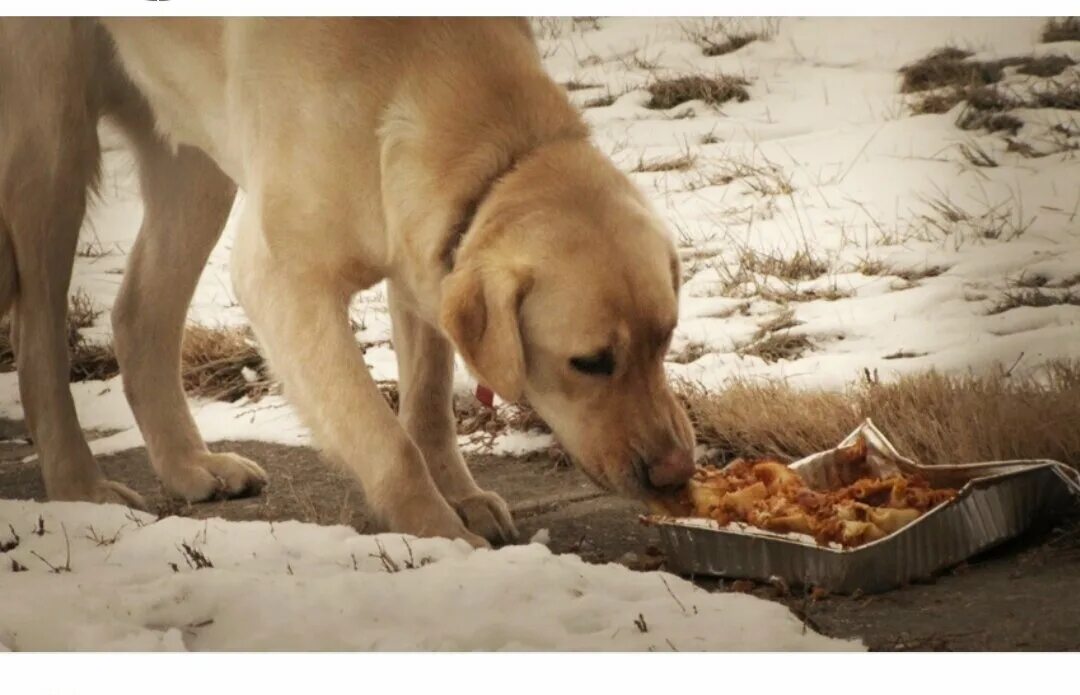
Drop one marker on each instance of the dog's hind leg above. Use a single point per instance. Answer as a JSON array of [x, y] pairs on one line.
[[50, 158], [426, 369], [186, 200], [9, 277]]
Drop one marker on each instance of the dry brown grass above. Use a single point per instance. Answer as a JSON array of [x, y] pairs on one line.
[[777, 346], [903, 355], [578, 85], [946, 78], [223, 364], [802, 265], [937, 102], [876, 266], [720, 35], [88, 360], [1061, 29], [715, 90], [218, 363], [1059, 95], [985, 108], [747, 277], [680, 162], [728, 44], [949, 67], [871, 266], [1034, 297], [766, 179], [1004, 220], [691, 352], [781, 321], [931, 417], [976, 154], [1047, 66], [606, 99], [788, 295]]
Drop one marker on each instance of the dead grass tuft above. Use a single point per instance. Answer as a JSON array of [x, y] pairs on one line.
[[88, 360], [1046, 66], [913, 274], [949, 67], [743, 279], [1061, 29], [223, 364], [903, 355], [1034, 297], [984, 109], [606, 99], [931, 417], [82, 312], [681, 162], [1060, 95], [766, 179], [802, 265], [872, 267], [718, 36], [715, 90], [691, 352], [777, 346], [218, 363], [946, 78], [729, 44], [995, 221], [782, 321], [552, 28], [977, 155], [794, 294], [937, 102], [742, 308], [91, 249], [577, 85]]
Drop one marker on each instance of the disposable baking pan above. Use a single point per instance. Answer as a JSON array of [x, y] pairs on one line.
[[997, 500]]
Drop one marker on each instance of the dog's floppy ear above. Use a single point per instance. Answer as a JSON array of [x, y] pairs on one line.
[[479, 313]]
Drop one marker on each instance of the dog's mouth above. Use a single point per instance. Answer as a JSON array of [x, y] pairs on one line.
[[631, 481]]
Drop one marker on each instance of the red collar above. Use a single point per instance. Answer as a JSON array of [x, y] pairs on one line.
[[485, 395]]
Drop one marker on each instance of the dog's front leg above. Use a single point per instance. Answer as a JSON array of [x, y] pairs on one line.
[[300, 316], [426, 368]]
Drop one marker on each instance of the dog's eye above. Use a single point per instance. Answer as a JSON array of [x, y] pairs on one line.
[[602, 363]]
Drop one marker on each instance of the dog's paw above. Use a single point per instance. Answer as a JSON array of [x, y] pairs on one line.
[[210, 476], [425, 517], [488, 515]]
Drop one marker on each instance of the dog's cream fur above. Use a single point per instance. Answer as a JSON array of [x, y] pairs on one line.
[[435, 154]]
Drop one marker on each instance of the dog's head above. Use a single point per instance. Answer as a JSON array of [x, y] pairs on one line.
[[565, 291]]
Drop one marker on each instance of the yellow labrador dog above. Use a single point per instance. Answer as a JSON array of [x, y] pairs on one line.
[[435, 154]]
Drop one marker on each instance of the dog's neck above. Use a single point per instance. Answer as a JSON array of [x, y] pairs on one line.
[[461, 228]]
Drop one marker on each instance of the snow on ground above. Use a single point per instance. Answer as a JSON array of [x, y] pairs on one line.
[[910, 247], [120, 580], [867, 181]]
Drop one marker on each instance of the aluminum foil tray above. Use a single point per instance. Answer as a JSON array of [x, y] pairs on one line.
[[997, 501]]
